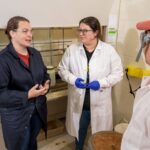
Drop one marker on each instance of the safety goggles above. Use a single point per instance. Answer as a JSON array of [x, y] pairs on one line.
[[145, 39]]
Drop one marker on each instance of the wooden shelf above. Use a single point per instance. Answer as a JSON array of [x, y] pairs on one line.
[[56, 95]]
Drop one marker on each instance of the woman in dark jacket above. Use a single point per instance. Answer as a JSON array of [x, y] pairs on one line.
[[23, 84]]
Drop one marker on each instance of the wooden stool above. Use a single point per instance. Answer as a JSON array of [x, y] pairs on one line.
[[105, 140]]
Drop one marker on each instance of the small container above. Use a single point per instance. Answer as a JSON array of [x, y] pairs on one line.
[[121, 127], [51, 72]]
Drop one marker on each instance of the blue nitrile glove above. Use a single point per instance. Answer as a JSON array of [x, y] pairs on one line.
[[79, 83], [94, 85]]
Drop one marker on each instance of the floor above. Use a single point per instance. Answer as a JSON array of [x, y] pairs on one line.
[[1, 139], [60, 142]]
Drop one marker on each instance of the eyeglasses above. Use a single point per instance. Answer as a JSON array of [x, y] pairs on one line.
[[83, 31], [24, 31]]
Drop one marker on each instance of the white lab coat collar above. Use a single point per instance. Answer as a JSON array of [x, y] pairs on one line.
[[97, 50]]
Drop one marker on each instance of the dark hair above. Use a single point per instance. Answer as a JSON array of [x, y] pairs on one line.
[[13, 24], [93, 23]]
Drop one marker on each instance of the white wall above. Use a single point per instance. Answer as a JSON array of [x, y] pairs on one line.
[[128, 43], [48, 13]]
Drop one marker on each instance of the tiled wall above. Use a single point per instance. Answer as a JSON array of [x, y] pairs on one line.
[[51, 42], [3, 39]]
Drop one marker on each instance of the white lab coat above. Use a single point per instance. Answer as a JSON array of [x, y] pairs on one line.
[[137, 135], [104, 66]]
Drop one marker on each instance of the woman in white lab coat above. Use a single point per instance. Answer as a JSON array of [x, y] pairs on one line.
[[90, 68]]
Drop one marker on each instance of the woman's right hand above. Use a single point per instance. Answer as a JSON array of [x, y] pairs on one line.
[[36, 91]]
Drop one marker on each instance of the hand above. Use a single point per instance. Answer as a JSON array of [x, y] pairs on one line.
[[46, 86], [94, 85], [36, 91], [79, 83]]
